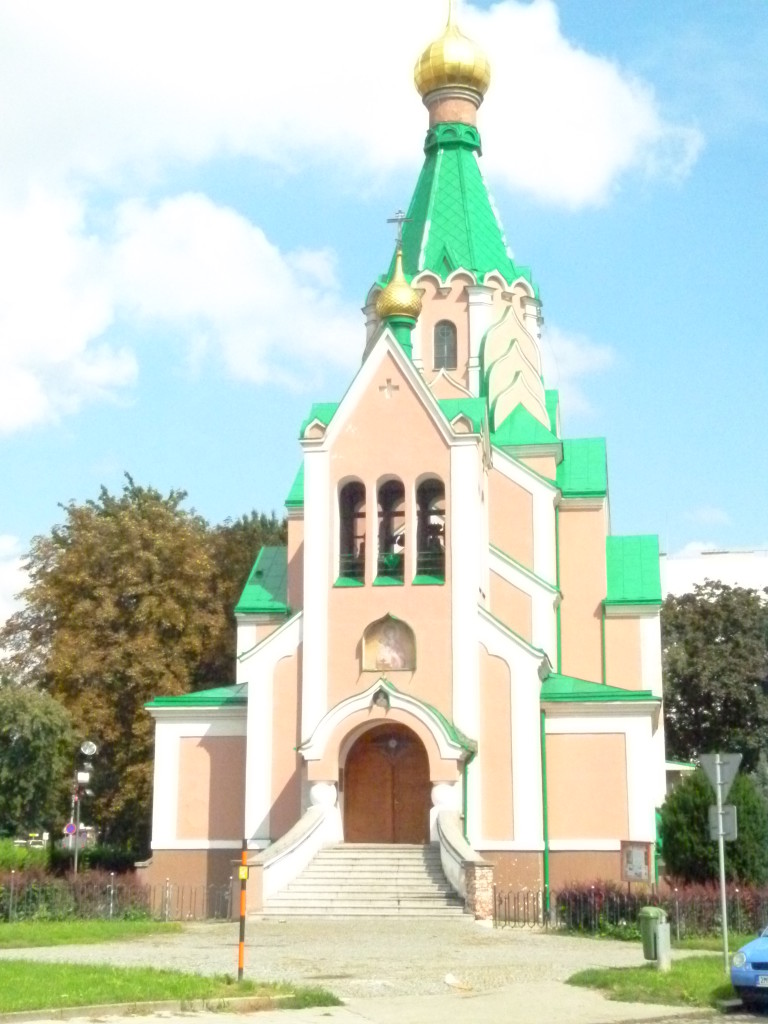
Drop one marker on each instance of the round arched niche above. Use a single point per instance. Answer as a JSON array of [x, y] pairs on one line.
[[389, 645]]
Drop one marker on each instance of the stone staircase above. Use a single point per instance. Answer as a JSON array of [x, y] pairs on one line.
[[369, 880]]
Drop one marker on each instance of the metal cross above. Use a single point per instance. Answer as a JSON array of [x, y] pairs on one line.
[[389, 388], [399, 218]]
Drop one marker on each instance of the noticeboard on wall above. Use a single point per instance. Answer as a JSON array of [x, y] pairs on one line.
[[635, 861]]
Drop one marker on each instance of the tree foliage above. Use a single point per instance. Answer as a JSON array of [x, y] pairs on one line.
[[715, 662], [690, 855], [234, 547], [36, 760], [130, 598]]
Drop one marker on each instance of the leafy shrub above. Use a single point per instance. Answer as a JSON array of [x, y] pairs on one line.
[[35, 895], [21, 858], [94, 858], [691, 856]]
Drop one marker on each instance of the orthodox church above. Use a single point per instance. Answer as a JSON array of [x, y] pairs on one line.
[[453, 648]]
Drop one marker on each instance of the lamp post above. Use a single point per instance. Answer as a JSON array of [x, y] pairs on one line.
[[82, 777]]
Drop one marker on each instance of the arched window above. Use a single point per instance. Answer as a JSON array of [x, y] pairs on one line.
[[352, 531], [391, 530], [430, 529], [445, 345]]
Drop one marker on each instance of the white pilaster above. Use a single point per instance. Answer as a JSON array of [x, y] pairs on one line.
[[480, 309], [466, 536], [317, 516]]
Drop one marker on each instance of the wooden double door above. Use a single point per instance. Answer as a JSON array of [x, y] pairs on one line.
[[387, 789]]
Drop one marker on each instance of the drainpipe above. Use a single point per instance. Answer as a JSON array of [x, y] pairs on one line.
[[602, 640], [544, 808], [557, 581]]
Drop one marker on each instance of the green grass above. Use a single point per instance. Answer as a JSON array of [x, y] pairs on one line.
[[29, 985], [25, 934], [694, 981], [714, 942]]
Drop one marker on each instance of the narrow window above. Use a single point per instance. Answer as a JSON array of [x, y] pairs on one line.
[[391, 530], [430, 529], [352, 531], [445, 345]]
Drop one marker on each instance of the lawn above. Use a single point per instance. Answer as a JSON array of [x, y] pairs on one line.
[[29, 985], [25, 934], [693, 981]]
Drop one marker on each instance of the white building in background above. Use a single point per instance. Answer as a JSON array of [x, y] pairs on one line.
[[744, 568]]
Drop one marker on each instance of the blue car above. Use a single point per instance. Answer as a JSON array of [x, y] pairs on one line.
[[749, 970]]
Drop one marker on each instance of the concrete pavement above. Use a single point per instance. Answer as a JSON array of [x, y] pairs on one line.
[[394, 972]]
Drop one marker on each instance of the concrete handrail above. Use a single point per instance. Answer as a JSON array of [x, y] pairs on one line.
[[455, 852], [286, 858]]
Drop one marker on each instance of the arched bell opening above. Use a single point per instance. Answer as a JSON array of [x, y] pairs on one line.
[[387, 788]]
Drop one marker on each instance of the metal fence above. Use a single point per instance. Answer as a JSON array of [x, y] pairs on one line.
[[62, 899], [597, 910]]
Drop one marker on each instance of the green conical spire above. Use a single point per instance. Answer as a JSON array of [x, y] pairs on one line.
[[451, 220]]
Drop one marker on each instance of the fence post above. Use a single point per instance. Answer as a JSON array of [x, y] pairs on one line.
[[111, 893], [167, 900], [10, 900], [677, 916]]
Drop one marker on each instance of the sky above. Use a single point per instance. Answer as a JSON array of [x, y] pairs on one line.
[[194, 202]]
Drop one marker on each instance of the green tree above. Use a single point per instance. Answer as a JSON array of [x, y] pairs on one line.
[[122, 606], [36, 760], [715, 663], [691, 856], [234, 545]]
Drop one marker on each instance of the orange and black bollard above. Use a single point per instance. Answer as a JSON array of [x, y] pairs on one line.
[[243, 876]]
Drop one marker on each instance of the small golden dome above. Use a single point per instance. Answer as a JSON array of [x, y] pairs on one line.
[[398, 298], [452, 60]]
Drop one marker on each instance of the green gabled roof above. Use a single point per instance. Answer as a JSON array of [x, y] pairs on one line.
[[522, 428], [473, 408], [552, 401], [266, 589], [584, 469], [632, 567], [219, 697], [295, 497], [322, 411], [452, 221], [557, 687]]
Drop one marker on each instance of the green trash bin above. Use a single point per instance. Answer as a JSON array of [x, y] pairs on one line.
[[649, 919]]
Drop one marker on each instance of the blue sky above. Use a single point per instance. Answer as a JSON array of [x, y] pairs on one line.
[[193, 204]]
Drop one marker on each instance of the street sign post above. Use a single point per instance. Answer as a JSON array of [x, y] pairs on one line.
[[721, 770], [729, 820]]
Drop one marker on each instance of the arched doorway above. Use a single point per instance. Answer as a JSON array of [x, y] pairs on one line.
[[387, 790]]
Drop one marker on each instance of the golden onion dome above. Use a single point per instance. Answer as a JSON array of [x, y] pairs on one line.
[[398, 298], [452, 60]]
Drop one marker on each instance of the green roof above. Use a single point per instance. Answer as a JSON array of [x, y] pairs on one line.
[[522, 428], [584, 469], [552, 400], [632, 566], [295, 497], [473, 408], [322, 411], [220, 696], [266, 589], [557, 687], [452, 221]]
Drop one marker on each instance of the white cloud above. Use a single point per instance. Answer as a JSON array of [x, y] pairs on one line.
[[109, 99], [696, 547], [205, 271], [13, 579], [709, 515], [567, 359]]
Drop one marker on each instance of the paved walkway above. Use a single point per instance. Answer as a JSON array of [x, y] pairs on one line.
[[390, 972]]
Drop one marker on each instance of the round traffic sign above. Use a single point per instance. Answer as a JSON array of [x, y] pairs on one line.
[[70, 829]]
